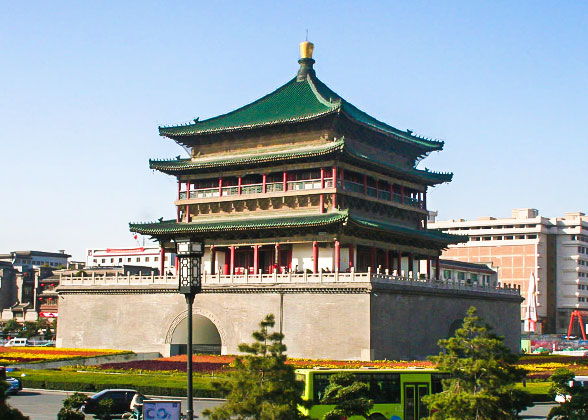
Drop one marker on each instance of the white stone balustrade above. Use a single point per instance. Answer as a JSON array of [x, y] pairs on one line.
[[275, 278]]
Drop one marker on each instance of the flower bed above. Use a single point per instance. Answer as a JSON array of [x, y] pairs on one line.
[[218, 364], [15, 355], [541, 367]]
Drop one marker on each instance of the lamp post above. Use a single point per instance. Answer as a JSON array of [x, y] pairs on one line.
[[190, 254]]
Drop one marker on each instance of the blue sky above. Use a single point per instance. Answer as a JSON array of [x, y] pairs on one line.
[[84, 86]]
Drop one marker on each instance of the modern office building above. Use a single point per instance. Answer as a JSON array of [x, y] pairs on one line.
[[26, 260], [553, 250], [141, 256]]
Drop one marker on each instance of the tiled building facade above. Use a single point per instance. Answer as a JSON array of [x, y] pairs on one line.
[[554, 250]]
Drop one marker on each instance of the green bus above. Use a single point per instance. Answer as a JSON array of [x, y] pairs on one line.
[[396, 393]]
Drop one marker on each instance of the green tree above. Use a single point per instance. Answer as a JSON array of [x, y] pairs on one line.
[[71, 407], [12, 327], [7, 412], [261, 386], [575, 407], [349, 396], [481, 376], [30, 329]]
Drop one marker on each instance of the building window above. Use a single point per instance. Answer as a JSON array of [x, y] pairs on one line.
[[103, 260], [128, 260], [146, 259], [447, 274], [155, 258], [460, 275], [138, 259], [120, 260]]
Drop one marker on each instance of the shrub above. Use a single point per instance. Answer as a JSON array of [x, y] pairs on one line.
[[69, 414]]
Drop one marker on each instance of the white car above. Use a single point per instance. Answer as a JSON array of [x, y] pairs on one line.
[[577, 381], [17, 342]]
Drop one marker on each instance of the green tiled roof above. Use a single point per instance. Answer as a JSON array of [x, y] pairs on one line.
[[171, 227], [295, 101], [178, 165], [175, 166], [431, 235]]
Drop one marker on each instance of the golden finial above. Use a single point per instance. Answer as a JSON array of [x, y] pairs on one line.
[[306, 49]]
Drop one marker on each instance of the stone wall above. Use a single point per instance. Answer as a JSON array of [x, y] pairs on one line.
[[343, 321]]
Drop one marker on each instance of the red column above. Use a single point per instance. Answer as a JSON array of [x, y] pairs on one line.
[[188, 213], [334, 176], [322, 203], [315, 257], [239, 185], [161, 261], [264, 184], [179, 188], [212, 260], [177, 266], [232, 268], [373, 258], [387, 259], [285, 181], [399, 263], [428, 267], [410, 263], [437, 268], [337, 256], [255, 259], [402, 194], [220, 187], [177, 213], [226, 267], [278, 259], [188, 189], [322, 178], [365, 184]]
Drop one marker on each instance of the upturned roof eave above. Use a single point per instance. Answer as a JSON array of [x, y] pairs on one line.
[[169, 228]]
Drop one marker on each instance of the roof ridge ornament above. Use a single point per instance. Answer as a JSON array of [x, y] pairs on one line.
[[306, 61]]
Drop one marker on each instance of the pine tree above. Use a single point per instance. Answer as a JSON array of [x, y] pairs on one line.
[[349, 396], [481, 376], [261, 386], [576, 406]]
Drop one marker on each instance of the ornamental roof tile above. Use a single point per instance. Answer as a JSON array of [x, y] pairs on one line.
[[175, 166], [171, 227], [432, 235], [293, 102], [342, 217]]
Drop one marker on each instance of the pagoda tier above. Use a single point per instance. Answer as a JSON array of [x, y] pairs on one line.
[[301, 180]]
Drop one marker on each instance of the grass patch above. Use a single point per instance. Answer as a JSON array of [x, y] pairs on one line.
[[149, 383], [539, 390]]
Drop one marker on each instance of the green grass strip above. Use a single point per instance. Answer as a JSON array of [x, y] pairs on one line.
[[150, 384]]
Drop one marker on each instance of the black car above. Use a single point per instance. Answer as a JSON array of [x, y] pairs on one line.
[[121, 399]]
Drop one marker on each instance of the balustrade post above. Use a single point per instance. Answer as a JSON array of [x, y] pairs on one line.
[[246, 276], [93, 278], [370, 274]]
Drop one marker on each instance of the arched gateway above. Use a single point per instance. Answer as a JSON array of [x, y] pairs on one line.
[[206, 334]]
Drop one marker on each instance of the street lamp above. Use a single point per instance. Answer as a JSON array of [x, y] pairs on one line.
[[190, 254]]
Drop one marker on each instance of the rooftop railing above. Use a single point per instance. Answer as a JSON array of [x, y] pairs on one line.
[[286, 278]]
